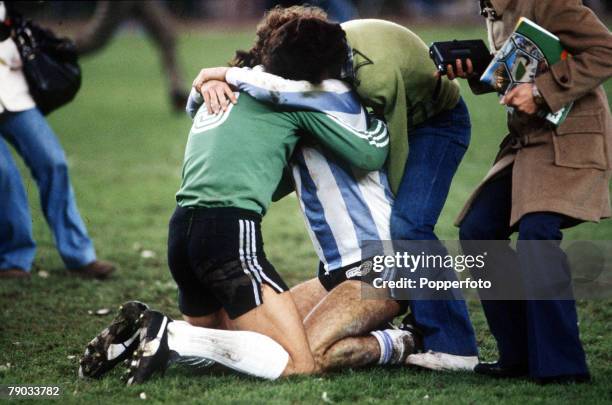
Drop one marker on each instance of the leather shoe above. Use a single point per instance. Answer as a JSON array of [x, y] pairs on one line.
[[498, 370], [97, 269], [14, 273]]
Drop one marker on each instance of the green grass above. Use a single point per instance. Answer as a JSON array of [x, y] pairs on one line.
[[125, 150]]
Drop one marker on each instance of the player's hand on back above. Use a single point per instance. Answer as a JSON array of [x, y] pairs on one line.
[[217, 96]]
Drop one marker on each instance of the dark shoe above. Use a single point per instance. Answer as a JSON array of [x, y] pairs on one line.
[[497, 370], [564, 379], [14, 274], [115, 343], [98, 269], [153, 355]]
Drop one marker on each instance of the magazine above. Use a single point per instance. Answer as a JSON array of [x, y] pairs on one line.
[[527, 53]]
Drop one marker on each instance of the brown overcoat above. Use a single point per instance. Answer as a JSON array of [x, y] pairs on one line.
[[563, 169]]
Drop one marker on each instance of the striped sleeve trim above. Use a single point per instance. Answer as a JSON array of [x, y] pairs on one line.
[[378, 136]]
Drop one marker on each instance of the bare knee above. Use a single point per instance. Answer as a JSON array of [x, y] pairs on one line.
[[278, 318]]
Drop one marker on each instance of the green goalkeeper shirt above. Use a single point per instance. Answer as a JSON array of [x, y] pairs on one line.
[[236, 159]]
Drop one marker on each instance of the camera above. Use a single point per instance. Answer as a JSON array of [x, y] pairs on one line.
[[446, 53]]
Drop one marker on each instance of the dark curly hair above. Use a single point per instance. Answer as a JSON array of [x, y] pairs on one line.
[[273, 20], [306, 49], [298, 43]]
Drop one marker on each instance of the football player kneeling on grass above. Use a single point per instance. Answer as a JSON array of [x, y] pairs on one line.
[[237, 309], [343, 207]]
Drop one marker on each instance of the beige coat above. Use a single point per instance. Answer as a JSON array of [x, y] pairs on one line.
[[563, 169]]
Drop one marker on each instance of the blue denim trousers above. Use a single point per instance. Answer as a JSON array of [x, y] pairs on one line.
[[540, 334], [436, 148], [29, 133]]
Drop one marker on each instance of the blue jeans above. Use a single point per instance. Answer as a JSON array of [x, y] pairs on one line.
[[34, 140], [436, 148], [540, 334]]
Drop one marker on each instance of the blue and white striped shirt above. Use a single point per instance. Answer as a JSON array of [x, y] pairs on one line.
[[343, 206]]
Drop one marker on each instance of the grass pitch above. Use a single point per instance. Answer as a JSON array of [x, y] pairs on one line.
[[125, 151]]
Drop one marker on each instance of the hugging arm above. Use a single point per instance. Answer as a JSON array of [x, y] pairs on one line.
[[340, 122], [330, 96], [365, 149]]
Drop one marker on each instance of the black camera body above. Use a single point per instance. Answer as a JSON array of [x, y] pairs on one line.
[[446, 53]]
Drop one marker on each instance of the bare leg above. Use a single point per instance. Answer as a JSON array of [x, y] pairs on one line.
[[352, 352], [257, 343], [278, 318], [307, 295], [337, 327]]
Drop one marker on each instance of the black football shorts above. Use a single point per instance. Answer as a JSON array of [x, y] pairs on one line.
[[330, 280], [217, 259]]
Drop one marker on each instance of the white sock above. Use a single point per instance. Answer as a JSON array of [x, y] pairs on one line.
[[392, 344], [247, 352]]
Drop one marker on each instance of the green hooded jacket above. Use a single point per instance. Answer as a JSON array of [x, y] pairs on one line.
[[393, 74]]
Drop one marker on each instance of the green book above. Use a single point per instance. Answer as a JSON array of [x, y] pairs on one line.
[[528, 52]]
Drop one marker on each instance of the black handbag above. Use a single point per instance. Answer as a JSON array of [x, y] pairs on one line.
[[50, 64]]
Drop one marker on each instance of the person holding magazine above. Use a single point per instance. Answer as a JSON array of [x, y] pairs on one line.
[[546, 177]]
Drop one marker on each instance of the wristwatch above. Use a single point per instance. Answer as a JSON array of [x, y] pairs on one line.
[[537, 96]]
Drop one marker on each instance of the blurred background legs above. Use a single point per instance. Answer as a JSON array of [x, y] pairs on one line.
[[158, 24]]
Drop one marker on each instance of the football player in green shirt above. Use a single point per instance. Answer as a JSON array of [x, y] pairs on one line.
[[238, 311]]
